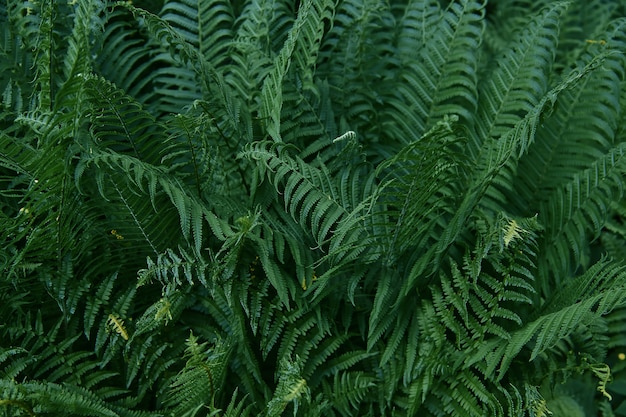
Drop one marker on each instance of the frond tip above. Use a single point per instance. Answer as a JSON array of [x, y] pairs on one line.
[[513, 230], [118, 325], [603, 372], [349, 135]]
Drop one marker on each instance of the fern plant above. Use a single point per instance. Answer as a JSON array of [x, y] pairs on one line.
[[323, 207]]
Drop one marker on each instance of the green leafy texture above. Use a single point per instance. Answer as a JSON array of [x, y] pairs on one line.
[[441, 79], [205, 29], [119, 123], [519, 76], [358, 81], [54, 398], [475, 306], [553, 325], [500, 157], [584, 196], [583, 25], [349, 390], [123, 58], [158, 187], [363, 207], [291, 389], [197, 382], [594, 145], [207, 26], [310, 194], [423, 174], [301, 44]]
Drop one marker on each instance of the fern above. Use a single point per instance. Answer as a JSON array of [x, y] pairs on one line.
[[506, 101], [291, 389], [333, 208], [310, 24], [442, 79], [310, 196], [198, 382]]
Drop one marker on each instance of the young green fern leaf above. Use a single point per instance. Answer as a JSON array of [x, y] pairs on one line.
[[197, 384]]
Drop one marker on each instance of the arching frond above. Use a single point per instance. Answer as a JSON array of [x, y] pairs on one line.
[[334, 207], [301, 46], [519, 77], [441, 79], [577, 212]]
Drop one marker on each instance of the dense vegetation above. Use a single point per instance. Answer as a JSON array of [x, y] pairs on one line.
[[315, 207]]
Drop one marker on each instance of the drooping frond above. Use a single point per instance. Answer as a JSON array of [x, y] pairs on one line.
[[417, 178], [301, 46], [544, 332], [571, 132], [197, 383], [309, 194], [120, 123], [441, 78], [519, 77], [206, 25], [577, 211], [337, 207]]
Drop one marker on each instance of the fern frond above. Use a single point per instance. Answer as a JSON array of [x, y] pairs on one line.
[[573, 132], [416, 202], [577, 32], [544, 332], [197, 383], [183, 65], [499, 155], [130, 176], [118, 122], [417, 27], [301, 45], [519, 77], [170, 267], [118, 326], [35, 26], [87, 19], [42, 397], [577, 211], [123, 58], [441, 79], [205, 25], [291, 388], [310, 196], [348, 390], [360, 79]]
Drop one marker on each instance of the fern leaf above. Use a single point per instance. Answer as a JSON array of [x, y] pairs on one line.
[[441, 79], [573, 132], [307, 191], [301, 44], [198, 382], [94, 304], [519, 78], [56, 398], [77, 63], [416, 202], [205, 25], [506, 149], [348, 390], [547, 330], [291, 388], [119, 122], [578, 211]]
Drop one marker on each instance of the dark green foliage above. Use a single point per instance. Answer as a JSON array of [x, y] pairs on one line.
[[316, 207]]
